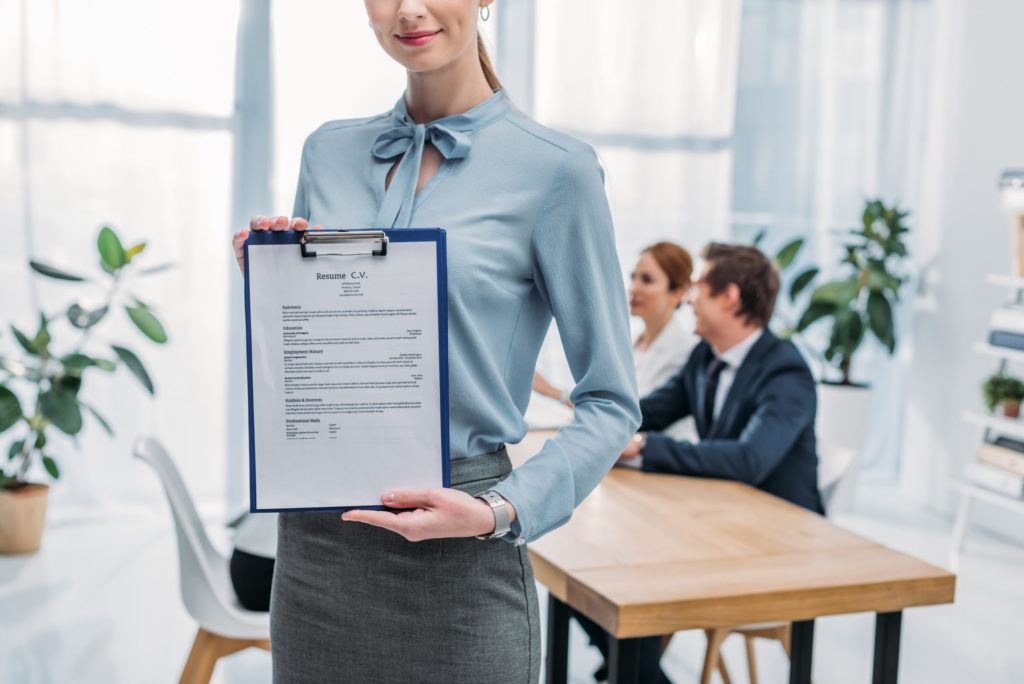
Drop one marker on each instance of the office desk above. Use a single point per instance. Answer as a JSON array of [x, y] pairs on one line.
[[650, 554]]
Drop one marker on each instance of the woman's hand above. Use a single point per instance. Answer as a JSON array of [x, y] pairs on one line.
[[542, 386], [265, 223], [436, 513]]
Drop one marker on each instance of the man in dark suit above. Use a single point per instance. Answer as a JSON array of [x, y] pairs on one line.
[[751, 394]]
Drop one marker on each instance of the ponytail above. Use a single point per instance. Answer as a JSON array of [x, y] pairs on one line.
[[485, 64]]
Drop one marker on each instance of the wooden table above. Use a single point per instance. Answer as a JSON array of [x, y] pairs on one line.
[[649, 554]]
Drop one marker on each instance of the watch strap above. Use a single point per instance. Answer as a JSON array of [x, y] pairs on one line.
[[502, 515]]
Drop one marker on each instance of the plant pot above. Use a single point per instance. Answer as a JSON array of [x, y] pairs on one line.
[[840, 426], [1011, 408], [22, 516]]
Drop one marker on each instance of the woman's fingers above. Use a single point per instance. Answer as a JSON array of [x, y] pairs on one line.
[[259, 223], [429, 514], [238, 242]]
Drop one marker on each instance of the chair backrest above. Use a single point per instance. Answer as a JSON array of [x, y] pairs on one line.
[[205, 584]]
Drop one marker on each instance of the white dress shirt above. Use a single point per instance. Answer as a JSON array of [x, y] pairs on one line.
[[733, 358]]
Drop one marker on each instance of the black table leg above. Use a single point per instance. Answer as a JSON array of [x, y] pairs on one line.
[[887, 647], [623, 661], [801, 648], [558, 642]]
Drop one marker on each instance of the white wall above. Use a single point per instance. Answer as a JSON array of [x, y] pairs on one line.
[[977, 131]]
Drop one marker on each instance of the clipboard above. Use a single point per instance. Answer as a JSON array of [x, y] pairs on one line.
[[309, 450]]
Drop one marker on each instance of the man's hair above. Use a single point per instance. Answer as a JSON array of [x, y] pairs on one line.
[[751, 271]]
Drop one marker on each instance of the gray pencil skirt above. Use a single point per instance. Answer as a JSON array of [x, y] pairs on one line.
[[355, 603]]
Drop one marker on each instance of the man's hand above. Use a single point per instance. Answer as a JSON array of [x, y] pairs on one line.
[[634, 448], [437, 513]]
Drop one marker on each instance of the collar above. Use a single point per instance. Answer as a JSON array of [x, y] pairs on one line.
[[406, 139], [735, 355]]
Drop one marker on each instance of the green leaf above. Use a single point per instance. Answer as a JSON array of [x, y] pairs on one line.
[[873, 211], [132, 251], [145, 321], [837, 293], [77, 362], [760, 236], [111, 252], [106, 364], [51, 467], [15, 450], [135, 366], [880, 319], [815, 311], [156, 269], [61, 409], [10, 409], [85, 318], [800, 282], [40, 440], [53, 272], [98, 417], [25, 343], [42, 339], [786, 255], [69, 383]]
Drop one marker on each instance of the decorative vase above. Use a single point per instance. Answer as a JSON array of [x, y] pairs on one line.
[[22, 516], [1011, 408]]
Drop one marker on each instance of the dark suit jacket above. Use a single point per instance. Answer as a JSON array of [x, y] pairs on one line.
[[764, 434]]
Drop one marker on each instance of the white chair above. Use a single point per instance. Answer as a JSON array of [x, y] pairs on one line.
[[224, 626]]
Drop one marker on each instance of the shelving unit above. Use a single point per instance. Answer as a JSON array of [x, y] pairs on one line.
[[990, 423]]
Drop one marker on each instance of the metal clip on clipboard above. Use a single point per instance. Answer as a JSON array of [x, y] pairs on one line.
[[378, 240]]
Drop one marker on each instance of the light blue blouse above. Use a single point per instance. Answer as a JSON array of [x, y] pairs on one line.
[[529, 237]]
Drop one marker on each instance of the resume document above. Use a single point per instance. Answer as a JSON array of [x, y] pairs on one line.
[[345, 375]]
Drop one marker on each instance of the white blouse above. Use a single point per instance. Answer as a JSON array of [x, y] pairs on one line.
[[659, 362]]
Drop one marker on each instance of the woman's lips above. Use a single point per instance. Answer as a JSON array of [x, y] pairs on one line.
[[416, 38]]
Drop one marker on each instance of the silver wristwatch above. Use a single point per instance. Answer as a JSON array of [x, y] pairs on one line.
[[502, 516]]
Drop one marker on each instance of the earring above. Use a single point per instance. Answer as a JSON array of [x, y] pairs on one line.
[[485, 12]]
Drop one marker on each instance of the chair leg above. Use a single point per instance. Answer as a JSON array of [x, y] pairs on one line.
[[751, 661], [207, 649], [784, 635], [713, 657]]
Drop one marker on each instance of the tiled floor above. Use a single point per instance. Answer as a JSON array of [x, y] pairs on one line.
[[100, 604]]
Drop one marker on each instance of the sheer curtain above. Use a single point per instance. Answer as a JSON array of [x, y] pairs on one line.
[[832, 109], [106, 119], [651, 87]]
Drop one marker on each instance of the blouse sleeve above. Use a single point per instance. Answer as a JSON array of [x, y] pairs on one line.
[[576, 270]]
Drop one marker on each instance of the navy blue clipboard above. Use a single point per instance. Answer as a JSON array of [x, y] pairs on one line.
[[297, 240]]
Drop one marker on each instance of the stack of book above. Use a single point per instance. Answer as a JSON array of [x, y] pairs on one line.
[[1000, 466]]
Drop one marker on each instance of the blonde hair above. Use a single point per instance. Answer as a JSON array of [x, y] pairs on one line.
[[485, 64]]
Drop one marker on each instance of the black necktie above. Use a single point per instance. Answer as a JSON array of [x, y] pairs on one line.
[[711, 387]]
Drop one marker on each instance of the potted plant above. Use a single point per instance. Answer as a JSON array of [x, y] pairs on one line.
[[40, 387], [859, 301], [1005, 390]]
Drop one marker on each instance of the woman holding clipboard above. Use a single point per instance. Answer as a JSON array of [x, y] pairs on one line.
[[417, 596]]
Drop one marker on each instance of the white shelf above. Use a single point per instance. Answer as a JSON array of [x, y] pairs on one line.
[[999, 352], [990, 495], [1008, 426], [1005, 280]]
